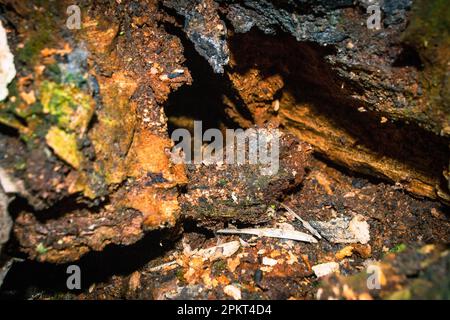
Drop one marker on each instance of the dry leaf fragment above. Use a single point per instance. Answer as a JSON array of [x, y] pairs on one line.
[[272, 233]]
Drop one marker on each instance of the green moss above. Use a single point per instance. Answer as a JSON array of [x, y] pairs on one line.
[[10, 121], [41, 249], [180, 275], [429, 25], [31, 49], [13, 100], [404, 294], [54, 72], [398, 248], [13, 92], [14, 109], [429, 33], [69, 107], [20, 165], [43, 32], [219, 267], [76, 79]]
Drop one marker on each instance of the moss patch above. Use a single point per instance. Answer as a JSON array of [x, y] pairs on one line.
[[71, 109], [429, 33]]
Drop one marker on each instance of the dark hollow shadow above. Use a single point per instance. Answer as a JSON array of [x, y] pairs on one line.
[[310, 80], [30, 277]]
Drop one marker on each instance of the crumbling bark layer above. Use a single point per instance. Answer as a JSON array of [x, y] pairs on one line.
[[375, 101], [218, 194], [89, 105], [316, 106]]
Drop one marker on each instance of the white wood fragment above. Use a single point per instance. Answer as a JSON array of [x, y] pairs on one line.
[[7, 183], [7, 68], [233, 292], [272, 233], [162, 266], [223, 250], [344, 230], [324, 269], [305, 223], [269, 261]]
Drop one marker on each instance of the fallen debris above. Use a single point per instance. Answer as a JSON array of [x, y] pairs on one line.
[[272, 233], [324, 269], [162, 266], [118, 91], [344, 230], [305, 223], [344, 253], [233, 263], [233, 292], [220, 251], [269, 261], [224, 250], [365, 251]]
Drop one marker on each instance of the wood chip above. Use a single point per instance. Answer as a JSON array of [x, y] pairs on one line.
[[306, 224], [344, 230], [324, 269], [233, 292], [223, 250], [269, 261], [135, 281], [162, 266], [344, 252], [272, 233]]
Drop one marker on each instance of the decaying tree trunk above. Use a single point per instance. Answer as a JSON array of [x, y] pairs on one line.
[[85, 130]]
